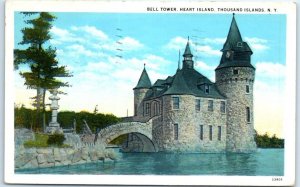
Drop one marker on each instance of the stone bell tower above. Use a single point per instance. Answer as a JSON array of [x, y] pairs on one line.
[[234, 78]]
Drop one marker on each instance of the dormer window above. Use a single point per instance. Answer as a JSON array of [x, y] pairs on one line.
[[206, 88], [239, 44]]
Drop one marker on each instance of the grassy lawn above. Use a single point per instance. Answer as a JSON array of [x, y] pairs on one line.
[[41, 141]]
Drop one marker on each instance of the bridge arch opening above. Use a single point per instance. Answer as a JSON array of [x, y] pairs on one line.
[[134, 142]]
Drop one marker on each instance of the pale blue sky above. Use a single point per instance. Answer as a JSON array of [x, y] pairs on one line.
[[90, 43]]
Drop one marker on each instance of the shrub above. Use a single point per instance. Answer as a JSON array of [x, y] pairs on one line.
[[56, 139], [40, 141]]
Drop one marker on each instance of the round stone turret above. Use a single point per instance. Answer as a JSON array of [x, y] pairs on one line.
[[236, 83], [140, 91], [234, 79]]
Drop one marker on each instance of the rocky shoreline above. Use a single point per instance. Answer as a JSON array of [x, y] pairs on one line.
[[26, 158], [78, 153]]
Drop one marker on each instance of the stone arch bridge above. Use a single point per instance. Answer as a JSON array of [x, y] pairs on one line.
[[140, 129]]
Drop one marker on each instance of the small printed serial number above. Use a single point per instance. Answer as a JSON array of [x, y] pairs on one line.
[[276, 179]]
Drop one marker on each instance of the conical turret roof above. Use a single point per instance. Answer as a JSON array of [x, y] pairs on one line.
[[234, 39], [236, 52], [187, 51], [144, 81]]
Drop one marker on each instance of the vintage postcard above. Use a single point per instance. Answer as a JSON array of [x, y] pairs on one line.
[[150, 93]]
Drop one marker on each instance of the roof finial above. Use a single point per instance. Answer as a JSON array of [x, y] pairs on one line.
[[144, 65], [233, 14], [188, 38]]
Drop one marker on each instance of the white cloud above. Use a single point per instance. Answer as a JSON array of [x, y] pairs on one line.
[[270, 69], [257, 44], [124, 45], [59, 32], [127, 74], [63, 35], [214, 40], [130, 43], [197, 49], [92, 31], [207, 50], [259, 47], [80, 50], [98, 66], [255, 40], [203, 66], [151, 61], [176, 43]]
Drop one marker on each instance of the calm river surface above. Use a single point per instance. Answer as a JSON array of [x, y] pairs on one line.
[[265, 162]]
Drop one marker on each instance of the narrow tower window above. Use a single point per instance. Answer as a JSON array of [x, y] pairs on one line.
[[175, 102], [235, 71], [155, 109], [201, 132], [210, 132], [147, 108], [197, 105], [219, 133], [135, 109], [248, 114], [247, 89], [175, 131], [222, 106], [210, 105]]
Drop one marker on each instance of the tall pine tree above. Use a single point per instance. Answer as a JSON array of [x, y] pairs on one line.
[[41, 58]]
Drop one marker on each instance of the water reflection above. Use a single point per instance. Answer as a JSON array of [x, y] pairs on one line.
[[241, 164]]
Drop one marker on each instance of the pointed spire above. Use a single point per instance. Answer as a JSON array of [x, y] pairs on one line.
[[144, 81], [236, 52], [187, 51], [233, 37], [179, 60], [188, 62]]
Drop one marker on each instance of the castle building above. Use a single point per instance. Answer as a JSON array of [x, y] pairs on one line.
[[192, 114]]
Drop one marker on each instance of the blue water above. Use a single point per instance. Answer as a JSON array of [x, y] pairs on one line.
[[265, 162]]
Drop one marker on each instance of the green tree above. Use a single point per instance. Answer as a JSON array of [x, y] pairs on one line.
[[41, 58], [265, 141]]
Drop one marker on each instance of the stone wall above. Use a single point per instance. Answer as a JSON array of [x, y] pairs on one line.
[[23, 135], [51, 157], [82, 150], [189, 121], [139, 95], [240, 132]]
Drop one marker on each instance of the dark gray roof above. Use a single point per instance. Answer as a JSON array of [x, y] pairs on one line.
[[240, 49], [187, 51], [144, 81], [233, 38], [184, 82], [235, 64], [178, 86]]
